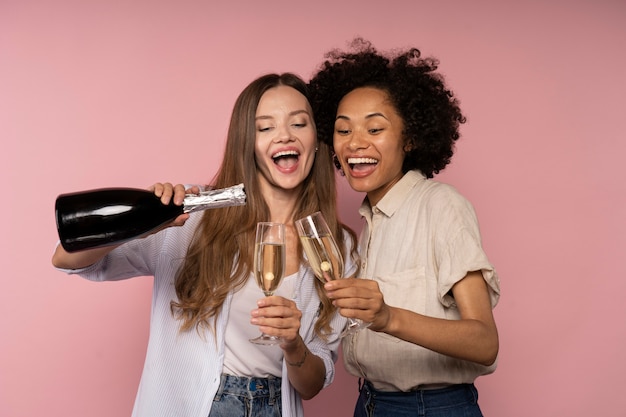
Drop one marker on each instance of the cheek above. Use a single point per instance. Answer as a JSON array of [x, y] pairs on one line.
[[310, 141], [258, 148], [391, 149], [259, 158], [338, 144]]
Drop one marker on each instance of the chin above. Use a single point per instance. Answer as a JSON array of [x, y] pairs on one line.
[[358, 185]]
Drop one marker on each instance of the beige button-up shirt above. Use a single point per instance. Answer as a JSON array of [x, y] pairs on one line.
[[419, 240]]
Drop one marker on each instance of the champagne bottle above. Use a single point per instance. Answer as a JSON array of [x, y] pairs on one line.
[[108, 216]]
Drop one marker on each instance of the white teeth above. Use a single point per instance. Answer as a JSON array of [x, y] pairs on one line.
[[285, 153], [362, 161]]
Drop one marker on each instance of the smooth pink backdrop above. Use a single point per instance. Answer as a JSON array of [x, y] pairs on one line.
[[128, 93]]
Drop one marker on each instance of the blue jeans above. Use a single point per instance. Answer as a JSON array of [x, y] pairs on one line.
[[247, 397], [453, 401]]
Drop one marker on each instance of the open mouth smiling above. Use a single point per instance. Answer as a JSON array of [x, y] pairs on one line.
[[360, 163], [285, 159]]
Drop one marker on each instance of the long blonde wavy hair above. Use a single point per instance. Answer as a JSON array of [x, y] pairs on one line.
[[220, 257]]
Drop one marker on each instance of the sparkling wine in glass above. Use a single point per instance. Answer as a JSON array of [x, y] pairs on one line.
[[324, 256], [269, 265]]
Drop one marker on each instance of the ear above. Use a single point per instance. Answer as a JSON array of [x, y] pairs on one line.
[[338, 165], [408, 145]]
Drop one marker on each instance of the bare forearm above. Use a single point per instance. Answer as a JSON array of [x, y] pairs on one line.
[[466, 339], [75, 260], [305, 371]]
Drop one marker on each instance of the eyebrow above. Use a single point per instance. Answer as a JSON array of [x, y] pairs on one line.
[[369, 116], [293, 113]]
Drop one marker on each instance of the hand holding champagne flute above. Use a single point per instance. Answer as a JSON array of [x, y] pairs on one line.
[[269, 265], [324, 256]]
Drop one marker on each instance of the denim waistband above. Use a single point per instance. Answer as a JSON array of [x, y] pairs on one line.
[[249, 386], [462, 392], [458, 399]]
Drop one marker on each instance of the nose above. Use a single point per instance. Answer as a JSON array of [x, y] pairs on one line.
[[357, 141], [284, 134]]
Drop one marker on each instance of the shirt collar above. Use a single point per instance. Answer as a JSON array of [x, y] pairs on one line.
[[395, 196]]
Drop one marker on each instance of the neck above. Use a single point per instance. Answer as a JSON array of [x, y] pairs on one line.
[[281, 202]]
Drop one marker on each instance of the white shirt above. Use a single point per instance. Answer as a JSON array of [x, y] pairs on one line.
[[243, 358], [182, 369], [419, 240]]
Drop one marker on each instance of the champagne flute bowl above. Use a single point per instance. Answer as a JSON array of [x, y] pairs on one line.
[[324, 256], [269, 265]]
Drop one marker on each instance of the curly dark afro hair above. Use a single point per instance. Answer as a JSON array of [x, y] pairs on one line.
[[430, 112]]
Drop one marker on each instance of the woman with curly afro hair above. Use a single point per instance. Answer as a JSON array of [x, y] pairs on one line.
[[427, 289]]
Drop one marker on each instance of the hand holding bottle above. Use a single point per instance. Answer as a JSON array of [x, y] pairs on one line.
[[176, 194]]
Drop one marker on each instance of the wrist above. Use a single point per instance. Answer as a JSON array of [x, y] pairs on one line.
[[388, 324], [299, 363], [297, 354]]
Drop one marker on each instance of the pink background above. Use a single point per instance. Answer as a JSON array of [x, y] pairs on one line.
[[128, 93]]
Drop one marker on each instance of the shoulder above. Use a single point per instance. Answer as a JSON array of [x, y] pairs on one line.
[[442, 204], [438, 194]]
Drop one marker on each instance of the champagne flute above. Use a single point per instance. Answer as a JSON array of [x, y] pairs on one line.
[[269, 265], [324, 256]]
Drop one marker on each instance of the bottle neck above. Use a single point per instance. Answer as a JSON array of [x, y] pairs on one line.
[[223, 197]]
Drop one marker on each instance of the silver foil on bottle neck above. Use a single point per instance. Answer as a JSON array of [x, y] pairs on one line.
[[222, 197]]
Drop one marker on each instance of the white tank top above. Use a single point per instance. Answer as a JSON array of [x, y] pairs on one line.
[[243, 358]]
